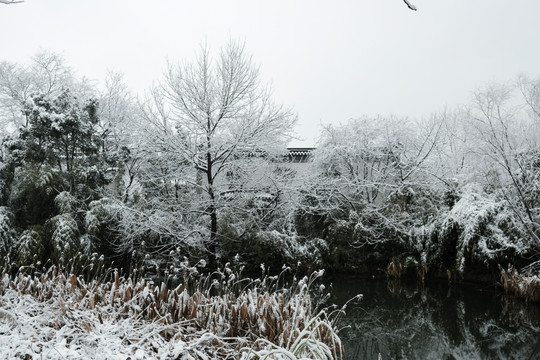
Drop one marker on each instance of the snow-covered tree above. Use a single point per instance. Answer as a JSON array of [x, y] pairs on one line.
[[530, 90], [62, 133], [507, 141], [51, 169], [213, 118], [374, 166], [46, 74], [118, 120]]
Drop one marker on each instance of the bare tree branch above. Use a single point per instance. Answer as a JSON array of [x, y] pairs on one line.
[[411, 6]]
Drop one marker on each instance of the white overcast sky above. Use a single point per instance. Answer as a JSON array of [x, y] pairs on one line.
[[328, 60]]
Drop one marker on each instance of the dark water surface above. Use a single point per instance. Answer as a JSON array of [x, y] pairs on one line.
[[439, 321]]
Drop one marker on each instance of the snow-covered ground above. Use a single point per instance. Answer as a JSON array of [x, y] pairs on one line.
[[52, 329]]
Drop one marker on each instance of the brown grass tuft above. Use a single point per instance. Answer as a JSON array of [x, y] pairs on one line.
[[524, 286], [394, 269]]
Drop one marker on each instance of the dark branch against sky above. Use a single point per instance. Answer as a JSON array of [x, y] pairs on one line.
[[411, 6]]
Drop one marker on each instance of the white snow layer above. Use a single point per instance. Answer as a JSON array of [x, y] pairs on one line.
[[30, 329]]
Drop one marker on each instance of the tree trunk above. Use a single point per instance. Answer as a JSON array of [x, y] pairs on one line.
[[211, 209]]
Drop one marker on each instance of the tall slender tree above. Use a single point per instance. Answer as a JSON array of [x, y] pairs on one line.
[[211, 114]]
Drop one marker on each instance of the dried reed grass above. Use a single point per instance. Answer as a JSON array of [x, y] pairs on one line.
[[521, 285], [394, 269], [236, 313], [318, 340]]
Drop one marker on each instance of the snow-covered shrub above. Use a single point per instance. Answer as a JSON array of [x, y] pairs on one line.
[[65, 202], [64, 238], [272, 243], [101, 212], [411, 205], [30, 247], [101, 223], [528, 177], [274, 248], [291, 249], [479, 230], [6, 231], [32, 195], [423, 244], [342, 255], [128, 232]]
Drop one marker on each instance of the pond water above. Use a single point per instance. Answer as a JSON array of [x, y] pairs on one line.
[[439, 321]]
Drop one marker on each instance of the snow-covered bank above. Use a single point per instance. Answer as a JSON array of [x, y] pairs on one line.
[[33, 329], [59, 317]]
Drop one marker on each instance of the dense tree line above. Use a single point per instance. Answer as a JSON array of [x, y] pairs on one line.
[[197, 169]]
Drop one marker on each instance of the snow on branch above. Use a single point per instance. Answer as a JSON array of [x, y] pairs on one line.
[[411, 6], [10, 2]]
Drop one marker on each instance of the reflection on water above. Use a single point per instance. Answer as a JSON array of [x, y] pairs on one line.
[[411, 321]]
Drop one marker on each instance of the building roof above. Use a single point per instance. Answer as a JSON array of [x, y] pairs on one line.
[[300, 151]]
